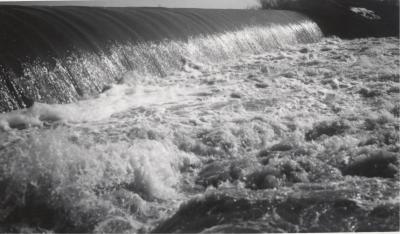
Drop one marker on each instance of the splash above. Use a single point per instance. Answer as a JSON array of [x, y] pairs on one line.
[[250, 140]]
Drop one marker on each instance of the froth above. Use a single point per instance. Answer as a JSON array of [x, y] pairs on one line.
[[91, 183]]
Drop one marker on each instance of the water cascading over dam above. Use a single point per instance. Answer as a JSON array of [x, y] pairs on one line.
[[61, 54], [155, 120]]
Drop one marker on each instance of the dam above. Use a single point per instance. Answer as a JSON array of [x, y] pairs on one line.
[[59, 54]]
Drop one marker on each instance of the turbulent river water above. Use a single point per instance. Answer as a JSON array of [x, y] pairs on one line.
[[294, 138]]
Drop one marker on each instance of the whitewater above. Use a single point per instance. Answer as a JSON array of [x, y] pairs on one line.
[[281, 132]]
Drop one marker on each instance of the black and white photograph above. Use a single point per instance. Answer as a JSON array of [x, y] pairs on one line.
[[199, 116]]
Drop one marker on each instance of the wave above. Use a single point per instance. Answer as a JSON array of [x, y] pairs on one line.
[[63, 54]]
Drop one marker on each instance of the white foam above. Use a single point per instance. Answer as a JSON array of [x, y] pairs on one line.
[[120, 97]]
